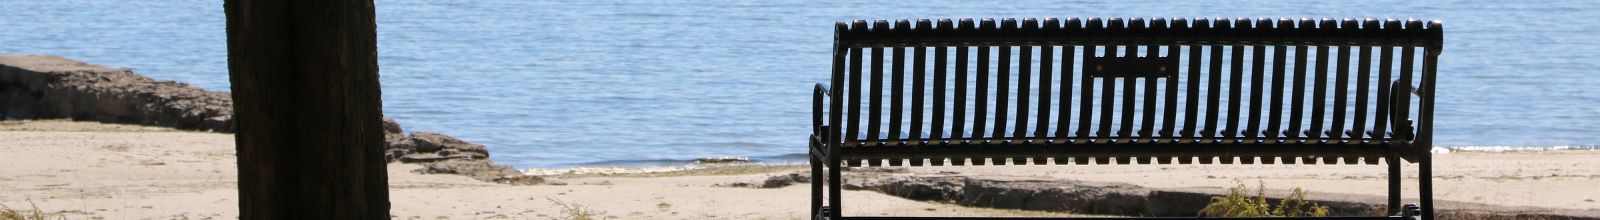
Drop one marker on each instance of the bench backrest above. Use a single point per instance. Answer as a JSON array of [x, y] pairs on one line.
[[1132, 81]]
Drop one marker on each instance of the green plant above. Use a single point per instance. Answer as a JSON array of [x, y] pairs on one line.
[[575, 211], [6, 213], [1237, 204]]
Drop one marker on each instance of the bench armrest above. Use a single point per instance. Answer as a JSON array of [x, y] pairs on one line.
[[819, 99]]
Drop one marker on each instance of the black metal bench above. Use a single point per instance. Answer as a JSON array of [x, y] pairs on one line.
[[1147, 91]]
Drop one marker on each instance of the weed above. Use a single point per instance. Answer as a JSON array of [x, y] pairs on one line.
[[1237, 204]]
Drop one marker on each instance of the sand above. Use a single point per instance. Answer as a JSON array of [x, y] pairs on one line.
[[85, 170]]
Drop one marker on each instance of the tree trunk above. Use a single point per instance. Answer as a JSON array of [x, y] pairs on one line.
[[305, 92]]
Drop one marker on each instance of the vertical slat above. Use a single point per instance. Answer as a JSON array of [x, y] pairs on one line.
[[897, 94], [1129, 90], [1174, 53], [1192, 93], [1046, 63], [1384, 72], [1280, 56], [1068, 52], [1108, 97], [1258, 75], [1320, 86], [1214, 92], [1090, 50], [1170, 116], [1148, 122], [1380, 118], [981, 106], [1402, 108], [875, 103], [1301, 56], [1002, 92], [940, 57], [1086, 97], [1319, 93], [1129, 84], [1362, 82], [1024, 80], [1342, 80], [1235, 92], [920, 85], [853, 128], [960, 106]]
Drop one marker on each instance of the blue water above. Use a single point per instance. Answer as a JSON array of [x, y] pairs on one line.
[[563, 83]]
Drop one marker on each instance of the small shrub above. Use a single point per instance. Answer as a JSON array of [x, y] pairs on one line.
[[6, 213], [1237, 204], [575, 211]]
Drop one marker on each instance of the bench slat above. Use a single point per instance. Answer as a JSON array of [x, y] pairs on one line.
[[1192, 106], [959, 122], [1302, 54], [1380, 119], [854, 112], [980, 111], [1280, 56], [1213, 92], [1068, 53], [875, 102], [1258, 75], [1363, 84], [940, 61], [919, 85], [1148, 122], [897, 94], [1046, 79], [1170, 116], [1341, 93], [1024, 84], [1320, 86], [1236, 91]]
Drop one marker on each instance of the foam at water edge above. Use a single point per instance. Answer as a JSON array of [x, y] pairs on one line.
[[1449, 149]]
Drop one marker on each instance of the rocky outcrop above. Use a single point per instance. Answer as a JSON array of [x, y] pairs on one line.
[[44, 87], [443, 154], [49, 87], [481, 170]]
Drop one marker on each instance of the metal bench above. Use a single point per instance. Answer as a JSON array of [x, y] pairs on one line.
[[1148, 91]]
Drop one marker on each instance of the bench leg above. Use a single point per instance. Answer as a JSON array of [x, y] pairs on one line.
[[835, 187], [816, 185], [1394, 185], [1425, 185]]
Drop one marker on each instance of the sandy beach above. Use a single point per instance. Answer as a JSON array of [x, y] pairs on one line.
[[87, 170]]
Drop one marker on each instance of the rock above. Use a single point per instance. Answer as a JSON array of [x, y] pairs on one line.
[[520, 180], [481, 170], [430, 157], [430, 141], [786, 180], [392, 127]]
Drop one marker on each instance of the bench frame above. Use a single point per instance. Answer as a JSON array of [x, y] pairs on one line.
[[1410, 140]]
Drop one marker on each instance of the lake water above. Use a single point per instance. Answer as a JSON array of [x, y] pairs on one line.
[[564, 83]]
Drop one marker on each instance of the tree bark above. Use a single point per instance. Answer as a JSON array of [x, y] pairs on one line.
[[305, 89]]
